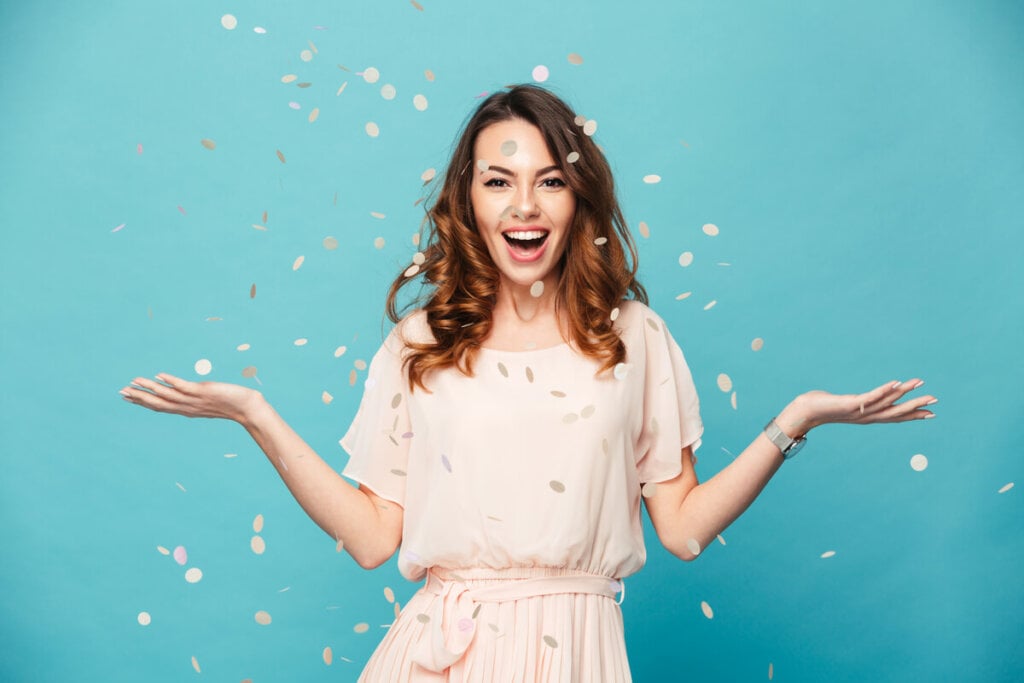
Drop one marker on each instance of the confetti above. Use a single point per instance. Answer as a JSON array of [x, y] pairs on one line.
[[372, 129], [340, 351], [649, 489], [280, 156], [720, 539], [326, 398], [827, 554], [138, 148], [257, 523], [328, 656], [509, 147], [502, 369], [710, 229], [262, 618], [579, 120], [706, 609], [590, 127], [259, 227], [229, 22], [614, 314], [540, 73], [339, 546], [252, 291], [388, 92], [389, 594], [180, 555], [371, 75], [352, 378], [314, 115], [242, 347], [193, 575], [313, 48], [1006, 487], [411, 270], [686, 258], [537, 289], [306, 56], [249, 371], [601, 241], [575, 59], [709, 305], [259, 29], [684, 295], [420, 102], [419, 258], [918, 463], [258, 545], [144, 619], [724, 382], [429, 75], [428, 175], [693, 546], [361, 627], [558, 394], [557, 486], [652, 179], [208, 143], [301, 341], [645, 231], [771, 671], [587, 411], [732, 400], [359, 364], [195, 665], [119, 228], [341, 89], [550, 642], [529, 375], [757, 344], [162, 550], [294, 105], [330, 243], [569, 418], [231, 455], [289, 78], [621, 371], [653, 325], [423, 618], [297, 263]]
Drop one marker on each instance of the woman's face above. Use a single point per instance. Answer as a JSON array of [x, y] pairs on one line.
[[521, 202]]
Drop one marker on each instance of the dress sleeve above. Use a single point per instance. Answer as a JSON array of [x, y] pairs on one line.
[[671, 408], [378, 439]]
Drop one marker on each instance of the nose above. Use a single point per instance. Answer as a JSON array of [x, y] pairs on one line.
[[526, 201]]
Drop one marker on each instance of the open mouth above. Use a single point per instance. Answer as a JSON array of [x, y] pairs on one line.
[[525, 243]]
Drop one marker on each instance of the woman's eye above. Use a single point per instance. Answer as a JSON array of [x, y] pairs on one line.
[[495, 182], [553, 182]]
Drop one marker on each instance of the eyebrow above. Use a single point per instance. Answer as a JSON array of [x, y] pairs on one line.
[[502, 169]]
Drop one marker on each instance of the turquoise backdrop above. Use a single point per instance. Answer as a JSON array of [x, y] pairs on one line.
[[862, 162]]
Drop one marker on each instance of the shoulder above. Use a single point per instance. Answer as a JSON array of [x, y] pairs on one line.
[[633, 315], [412, 329]]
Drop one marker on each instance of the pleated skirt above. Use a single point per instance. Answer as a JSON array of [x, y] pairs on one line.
[[519, 625]]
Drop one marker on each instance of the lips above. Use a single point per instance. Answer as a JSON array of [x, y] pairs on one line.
[[525, 244]]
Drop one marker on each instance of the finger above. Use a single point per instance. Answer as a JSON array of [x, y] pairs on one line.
[[150, 386], [869, 400], [151, 401], [178, 383], [892, 393], [900, 412]]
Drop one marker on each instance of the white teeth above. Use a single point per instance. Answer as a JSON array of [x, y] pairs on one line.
[[525, 234]]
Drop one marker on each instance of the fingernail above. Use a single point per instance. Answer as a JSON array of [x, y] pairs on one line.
[[896, 385], [932, 402], [920, 383], [929, 416], [124, 393]]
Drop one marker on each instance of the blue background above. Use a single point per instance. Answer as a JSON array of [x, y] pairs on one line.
[[863, 161]]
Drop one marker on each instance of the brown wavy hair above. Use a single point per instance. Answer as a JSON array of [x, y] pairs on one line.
[[460, 277]]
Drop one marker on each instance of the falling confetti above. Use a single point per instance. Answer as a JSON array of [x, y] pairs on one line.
[[1006, 487], [709, 305], [301, 341], [645, 230], [601, 241], [724, 382], [389, 594], [306, 55], [162, 550], [429, 75], [259, 29], [257, 523], [340, 351], [575, 59], [330, 243], [328, 656], [388, 91], [557, 486], [706, 609], [621, 371], [262, 618], [529, 375], [229, 22], [827, 554], [540, 73], [502, 369], [550, 642], [203, 366], [180, 555], [614, 314], [710, 229], [771, 671], [412, 270], [314, 115], [371, 75], [289, 78], [280, 156], [138, 148], [242, 347], [361, 627], [684, 295], [587, 411], [252, 291], [420, 102], [326, 398], [195, 665], [372, 129], [649, 489], [119, 228], [416, 5], [732, 400], [572, 157], [258, 545], [359, 364], [249, 371], [652, 179], [757, 344], [144, 619], [537, 289], [590, 127], [208, 143], [919, 463], [193, 575], [509, 147], [569, 418], [686, 258], [428, 175], [297, 263]]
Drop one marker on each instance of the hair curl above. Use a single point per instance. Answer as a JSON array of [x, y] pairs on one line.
[[595, 278]]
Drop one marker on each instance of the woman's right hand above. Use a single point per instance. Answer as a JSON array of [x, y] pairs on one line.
[[192, 399]]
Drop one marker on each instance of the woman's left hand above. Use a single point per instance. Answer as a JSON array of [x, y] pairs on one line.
[[816, 408]]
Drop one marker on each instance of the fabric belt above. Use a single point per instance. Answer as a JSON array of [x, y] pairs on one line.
[[453, 622]]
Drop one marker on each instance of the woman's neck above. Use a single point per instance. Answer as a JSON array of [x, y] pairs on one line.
[[525, 317]]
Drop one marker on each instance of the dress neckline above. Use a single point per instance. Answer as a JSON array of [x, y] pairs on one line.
[[488, 349]]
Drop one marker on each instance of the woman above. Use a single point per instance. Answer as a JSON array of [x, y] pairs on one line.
[[511, 426]]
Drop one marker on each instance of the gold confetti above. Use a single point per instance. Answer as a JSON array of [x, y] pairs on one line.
[[429, 75], [352, 378], [242, 347], [706, 609], [389, 594], [649, 489], [709, 305], [416, 5], [280, 155], [328, 656], [574, 58], [289, 78], [557, 486], [1006, 487], [710, 229], [558, 394], [330, 243], [757, 344], [572, 157], [341, 89], [301, 341], [919, 462], [306, 55], [614, 314], [262, 618], [257, 523], [144, 619], [361, 627], [693, 546], [502, 369], [340, 351], [537, 289], [313, 47], [194, 575], [827, 554], [529, 375], [326, 398], [208, 143], [724, 382], [314, 115], [420, 102], [252, 291], [590, 127], [686, 258], [550, 642], [645, 231], [297, 263], [412, 270], [249, 371], [732, 400], [195, 665], [359, 364], [509, 147], [372, 129], [258, 545], [303, 85], [569, 418], [259, 227], [652, 179], [587, 411]]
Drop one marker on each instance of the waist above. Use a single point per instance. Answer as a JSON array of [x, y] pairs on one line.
[[514, 583]]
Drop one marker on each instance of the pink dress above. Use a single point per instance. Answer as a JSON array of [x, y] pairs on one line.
[[521, 489]]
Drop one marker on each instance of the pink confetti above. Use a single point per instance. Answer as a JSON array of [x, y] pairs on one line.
[[118, 227], [294, 105], [139, 148], [465, 624], [540, 73], [182, 209], [482, 95], [180, 556]]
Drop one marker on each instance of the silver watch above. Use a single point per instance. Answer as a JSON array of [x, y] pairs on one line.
[[788, 446]]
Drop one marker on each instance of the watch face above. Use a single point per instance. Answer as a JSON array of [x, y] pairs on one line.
[[795, 448]]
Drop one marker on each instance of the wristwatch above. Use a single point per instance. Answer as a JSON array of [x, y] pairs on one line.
[[788, 446]]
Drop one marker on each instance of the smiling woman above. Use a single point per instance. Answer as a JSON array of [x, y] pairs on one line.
[[533, 316]]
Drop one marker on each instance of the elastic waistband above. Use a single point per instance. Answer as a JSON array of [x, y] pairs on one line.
[[514, 583]]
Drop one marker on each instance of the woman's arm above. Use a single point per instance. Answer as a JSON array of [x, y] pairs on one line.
[[369, 527], [688, 515]]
